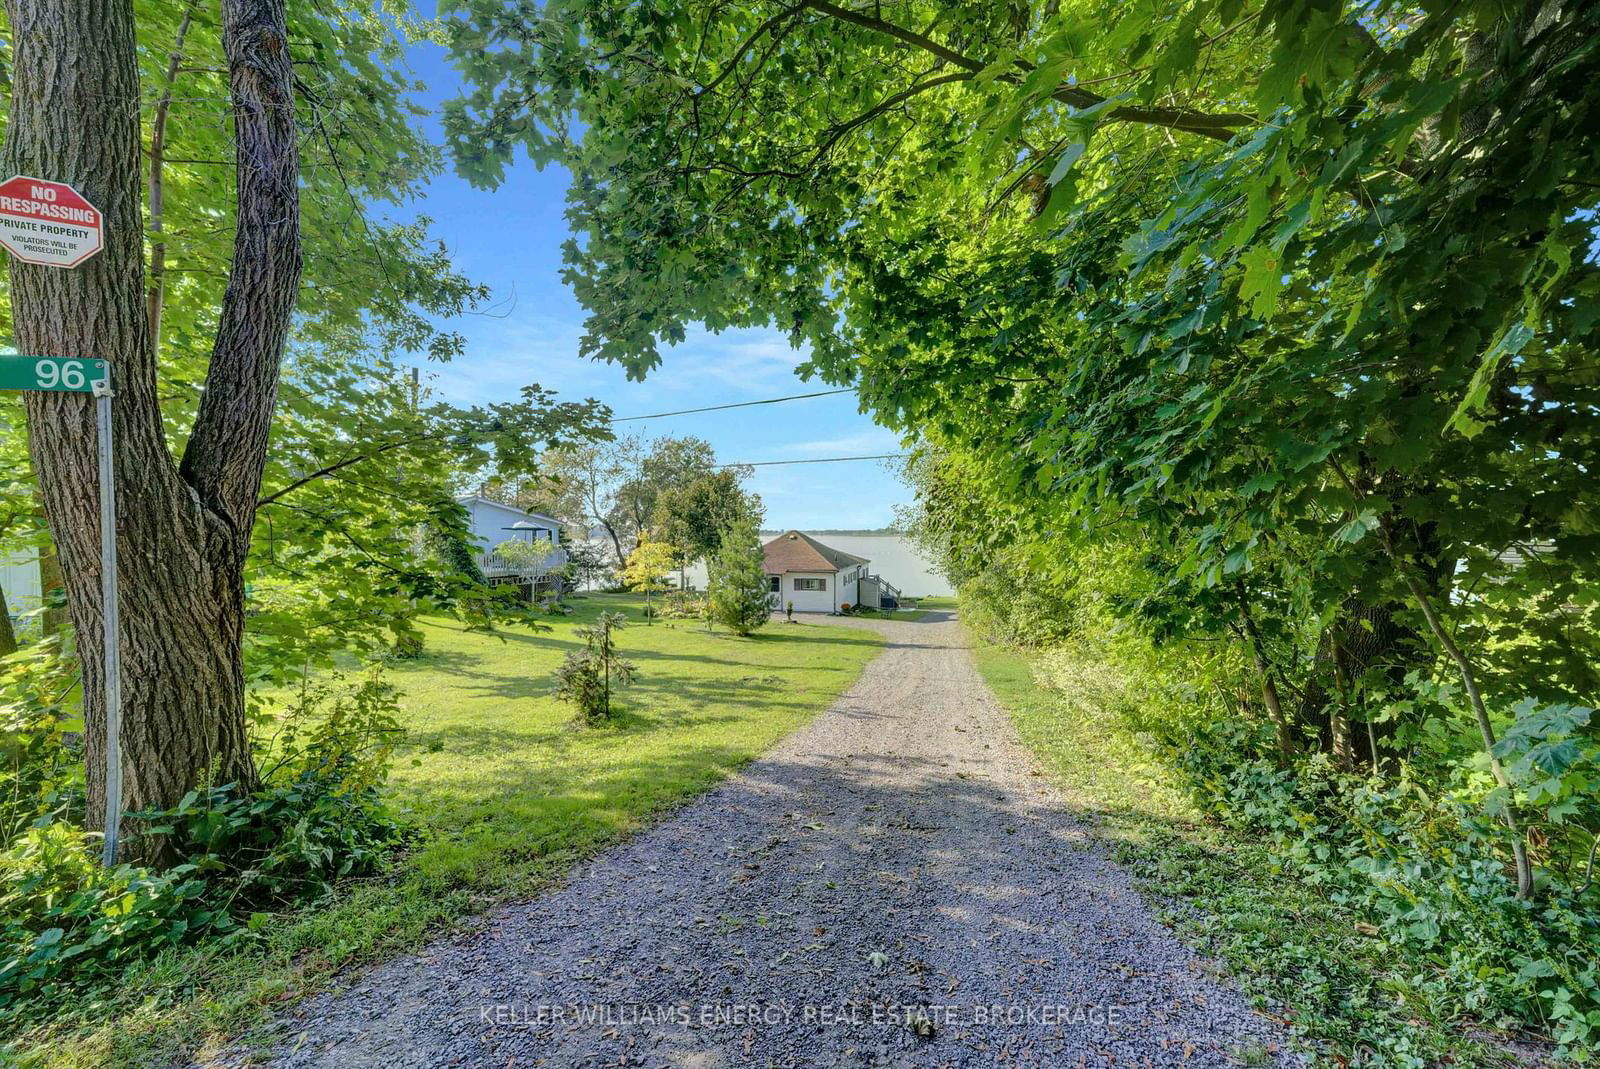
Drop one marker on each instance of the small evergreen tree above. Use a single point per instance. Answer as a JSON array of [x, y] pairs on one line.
[[738, 579], [586, 677]]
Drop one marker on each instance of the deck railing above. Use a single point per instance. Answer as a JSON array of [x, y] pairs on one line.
[[495, 566]]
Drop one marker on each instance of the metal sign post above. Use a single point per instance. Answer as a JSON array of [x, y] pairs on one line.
[[111, 644], [60, 374]]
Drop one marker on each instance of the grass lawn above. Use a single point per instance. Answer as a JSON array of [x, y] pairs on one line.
[[1225, 895], [506, 795]]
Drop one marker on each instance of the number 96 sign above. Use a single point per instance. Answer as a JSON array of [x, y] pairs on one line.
[[54, 374]]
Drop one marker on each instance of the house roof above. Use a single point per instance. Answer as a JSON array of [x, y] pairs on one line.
[[796, 552], [467, 499]]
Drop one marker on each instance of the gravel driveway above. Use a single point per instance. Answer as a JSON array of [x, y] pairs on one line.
[[893, 885]]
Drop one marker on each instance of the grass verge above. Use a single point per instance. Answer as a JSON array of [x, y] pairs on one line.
[[1301, 958], [506, 795]]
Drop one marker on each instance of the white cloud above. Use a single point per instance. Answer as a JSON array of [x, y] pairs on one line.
[[866, 442]]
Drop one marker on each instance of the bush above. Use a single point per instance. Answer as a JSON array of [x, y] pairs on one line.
[[683, 605], [69, 923], [1008, 603], [409, 645], [41, 777], [1417, 856], [1425, 867]]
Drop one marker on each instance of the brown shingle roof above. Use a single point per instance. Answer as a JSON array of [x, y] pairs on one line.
[[796, 552]]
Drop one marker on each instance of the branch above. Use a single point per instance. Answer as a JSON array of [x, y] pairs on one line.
[[227, 448], [836, 133], [323, 473], [1220, 126], [749, 42]]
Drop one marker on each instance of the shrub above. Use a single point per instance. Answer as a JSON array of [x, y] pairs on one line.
[[41, 778], [683, 605], [409, 645], [1425, 867], [586, 676], [68, 923]]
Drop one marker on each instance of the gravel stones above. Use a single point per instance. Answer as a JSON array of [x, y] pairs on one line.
[[892, 885]]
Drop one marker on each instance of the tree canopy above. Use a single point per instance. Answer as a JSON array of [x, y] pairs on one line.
[[1301, 296]]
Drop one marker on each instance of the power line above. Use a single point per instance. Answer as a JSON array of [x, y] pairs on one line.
[[741, 404], [817, 460]]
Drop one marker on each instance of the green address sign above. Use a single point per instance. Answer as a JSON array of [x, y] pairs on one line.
[[56, 374]]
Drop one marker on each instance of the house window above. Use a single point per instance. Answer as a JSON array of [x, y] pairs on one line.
[[811, 584], [775, 583]]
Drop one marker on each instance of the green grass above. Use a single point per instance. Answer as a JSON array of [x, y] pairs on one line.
[[1339, 989], [507, 795]]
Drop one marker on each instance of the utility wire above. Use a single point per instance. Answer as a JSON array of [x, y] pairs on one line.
[[741, 404], [818, 460]]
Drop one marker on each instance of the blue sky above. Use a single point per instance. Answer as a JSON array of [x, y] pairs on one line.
[[510, 239]]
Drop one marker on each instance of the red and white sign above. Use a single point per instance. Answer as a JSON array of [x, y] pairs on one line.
[[48, 222]]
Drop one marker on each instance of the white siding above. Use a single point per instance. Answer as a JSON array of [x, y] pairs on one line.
[[895, 557], [492, 523], [809, 600]]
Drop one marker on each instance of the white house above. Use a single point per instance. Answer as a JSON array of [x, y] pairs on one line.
[[817, 578], [493, 522]]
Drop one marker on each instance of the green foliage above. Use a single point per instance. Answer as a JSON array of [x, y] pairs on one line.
[[41, 779], [1424, 868], [1411, 851], [683, 605], [362, 456], [70, 924], [587, 563], [647, 570], [1300, 301], [692, 516], [737, 580], [1309, 957], [359, 492], [586, 676]]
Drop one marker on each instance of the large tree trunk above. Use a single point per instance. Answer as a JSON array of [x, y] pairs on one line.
[[182, 533]]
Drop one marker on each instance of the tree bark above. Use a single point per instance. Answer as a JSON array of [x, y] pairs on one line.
[[52, 587], [616, 542], [8, 634], [182, 533]]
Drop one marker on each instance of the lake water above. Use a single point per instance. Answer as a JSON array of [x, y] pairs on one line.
[[895, 557]]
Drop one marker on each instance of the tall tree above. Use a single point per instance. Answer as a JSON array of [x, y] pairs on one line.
[[652, 468], [737, 578], [693, 516], [184, 526]]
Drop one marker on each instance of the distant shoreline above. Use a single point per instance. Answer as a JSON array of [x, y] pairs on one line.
[[886, 532]]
